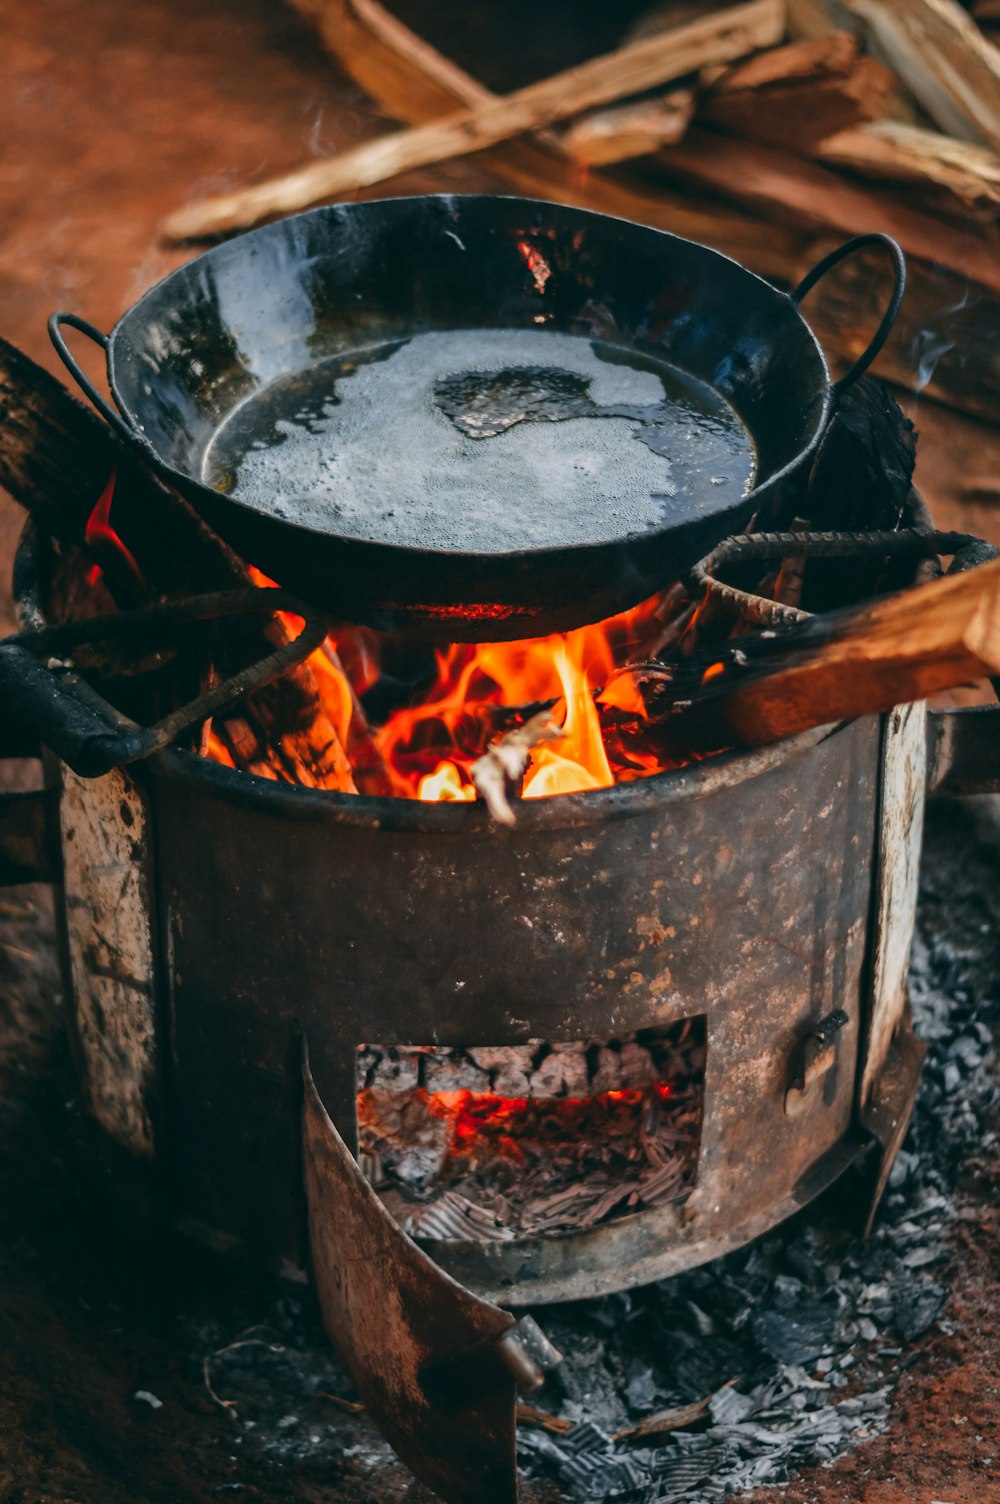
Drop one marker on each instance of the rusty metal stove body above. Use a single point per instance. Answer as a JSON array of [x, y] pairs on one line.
[[212, 919]]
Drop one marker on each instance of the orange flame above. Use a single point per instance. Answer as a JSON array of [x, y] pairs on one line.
[[429, 747], [101, 538]]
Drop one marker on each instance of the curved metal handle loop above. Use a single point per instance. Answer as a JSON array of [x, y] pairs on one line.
[[888, 318], [110, 414]]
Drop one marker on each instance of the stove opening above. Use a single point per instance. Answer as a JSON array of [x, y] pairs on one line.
[[510, 1141]]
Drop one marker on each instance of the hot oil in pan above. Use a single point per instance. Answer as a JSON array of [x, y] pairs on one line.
[[485, 440]]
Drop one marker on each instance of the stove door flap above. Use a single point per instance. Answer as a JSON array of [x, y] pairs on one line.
[[435, 1365]]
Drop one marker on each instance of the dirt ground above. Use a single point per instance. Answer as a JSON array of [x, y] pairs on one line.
[[111, 116]]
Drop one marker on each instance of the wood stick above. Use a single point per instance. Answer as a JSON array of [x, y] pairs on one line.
[[811, 196], [944, 60], [55, 459], [795, 96], [643, 64], [636, 129], [890, 151], [863, 661]]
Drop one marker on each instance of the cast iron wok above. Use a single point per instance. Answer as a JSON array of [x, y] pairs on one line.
[[351, 276]]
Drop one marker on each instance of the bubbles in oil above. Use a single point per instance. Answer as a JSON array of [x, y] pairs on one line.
[[484, 441]]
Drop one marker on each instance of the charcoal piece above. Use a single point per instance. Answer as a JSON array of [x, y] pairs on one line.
[[585, 1437], [679, 1472], [700, 1365], [729, 1406], [797, 1334], [449, 1070], [916, 1308], [640, 1388], [387, 1069], [606, 1071], [860, 480], [562, 1073], [584, 1376], [591, 1473], [637, 1066], [508, 1067]]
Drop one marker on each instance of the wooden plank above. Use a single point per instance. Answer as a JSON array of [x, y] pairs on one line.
[[641, 65]]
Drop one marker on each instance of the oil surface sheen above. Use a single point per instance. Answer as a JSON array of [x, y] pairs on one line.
[[485, 441]]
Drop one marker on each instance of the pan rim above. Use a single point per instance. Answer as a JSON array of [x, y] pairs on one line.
[[536, 557]]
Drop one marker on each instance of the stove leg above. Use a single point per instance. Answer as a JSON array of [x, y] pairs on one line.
[[436, 1366]]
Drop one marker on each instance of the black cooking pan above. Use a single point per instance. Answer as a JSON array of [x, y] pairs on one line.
[[389, 407]]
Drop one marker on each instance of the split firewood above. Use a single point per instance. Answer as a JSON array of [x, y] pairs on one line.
[[807, 194], [853, 662], [890, 151], [645, 64], [530, 1415], [55, 460], [504, 764], [601, 137], [943, 58], [413, 82], [795, 96]]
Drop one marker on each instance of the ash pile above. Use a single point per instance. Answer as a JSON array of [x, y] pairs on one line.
[[785, 1354]]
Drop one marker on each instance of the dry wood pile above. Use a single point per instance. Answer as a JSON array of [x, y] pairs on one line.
[[766, 128]]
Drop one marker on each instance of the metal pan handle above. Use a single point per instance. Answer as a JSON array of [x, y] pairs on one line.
[[888, 318], [110, 414]]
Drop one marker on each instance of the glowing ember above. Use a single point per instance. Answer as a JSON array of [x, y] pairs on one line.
[[536, 264]]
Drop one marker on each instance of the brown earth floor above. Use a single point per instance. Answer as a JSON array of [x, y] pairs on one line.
[[110, 116]]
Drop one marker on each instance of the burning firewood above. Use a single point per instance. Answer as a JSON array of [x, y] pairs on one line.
[[505, 762], [858, 661], [644, 64]]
